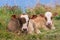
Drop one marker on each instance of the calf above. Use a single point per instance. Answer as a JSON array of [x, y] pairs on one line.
[[41, 21], [19, 23]]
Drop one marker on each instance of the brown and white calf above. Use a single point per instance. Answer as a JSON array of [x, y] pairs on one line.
[[41, 21], [18, 23], [37, 23], [24, 20]]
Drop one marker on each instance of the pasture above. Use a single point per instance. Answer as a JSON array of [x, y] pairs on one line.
[[5, 15], [50, 35]]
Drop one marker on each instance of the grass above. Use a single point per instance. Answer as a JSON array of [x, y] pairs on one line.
[[50, 35]]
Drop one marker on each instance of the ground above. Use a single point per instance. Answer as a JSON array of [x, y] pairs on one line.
[[50, 35]]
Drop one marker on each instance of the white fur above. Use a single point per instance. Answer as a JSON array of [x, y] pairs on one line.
[[30, 27], [26, 17], [48, 15], [25, 24]]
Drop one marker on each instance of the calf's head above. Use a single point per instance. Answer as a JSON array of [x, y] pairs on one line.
[[24, 22], [48, 18]]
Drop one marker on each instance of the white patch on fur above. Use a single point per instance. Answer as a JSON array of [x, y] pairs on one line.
[[25, 24], [48, 15], [26, 17], [30, 27]]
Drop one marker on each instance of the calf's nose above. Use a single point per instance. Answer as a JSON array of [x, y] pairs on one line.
[[24, 29], [49, 23]]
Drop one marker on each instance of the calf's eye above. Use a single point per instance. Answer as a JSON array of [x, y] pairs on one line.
[[45, 18], [51, 18]]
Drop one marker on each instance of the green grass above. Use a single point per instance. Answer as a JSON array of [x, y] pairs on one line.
[[50, 35]]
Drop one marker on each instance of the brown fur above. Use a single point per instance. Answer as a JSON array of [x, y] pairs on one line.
[[33, 16], [21, 21], [40, 21], [37, 24], [13, 24]]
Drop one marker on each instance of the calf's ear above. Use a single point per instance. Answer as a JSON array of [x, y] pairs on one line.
[[55, 14], [42, 15], [33, 16], [13, 17]]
